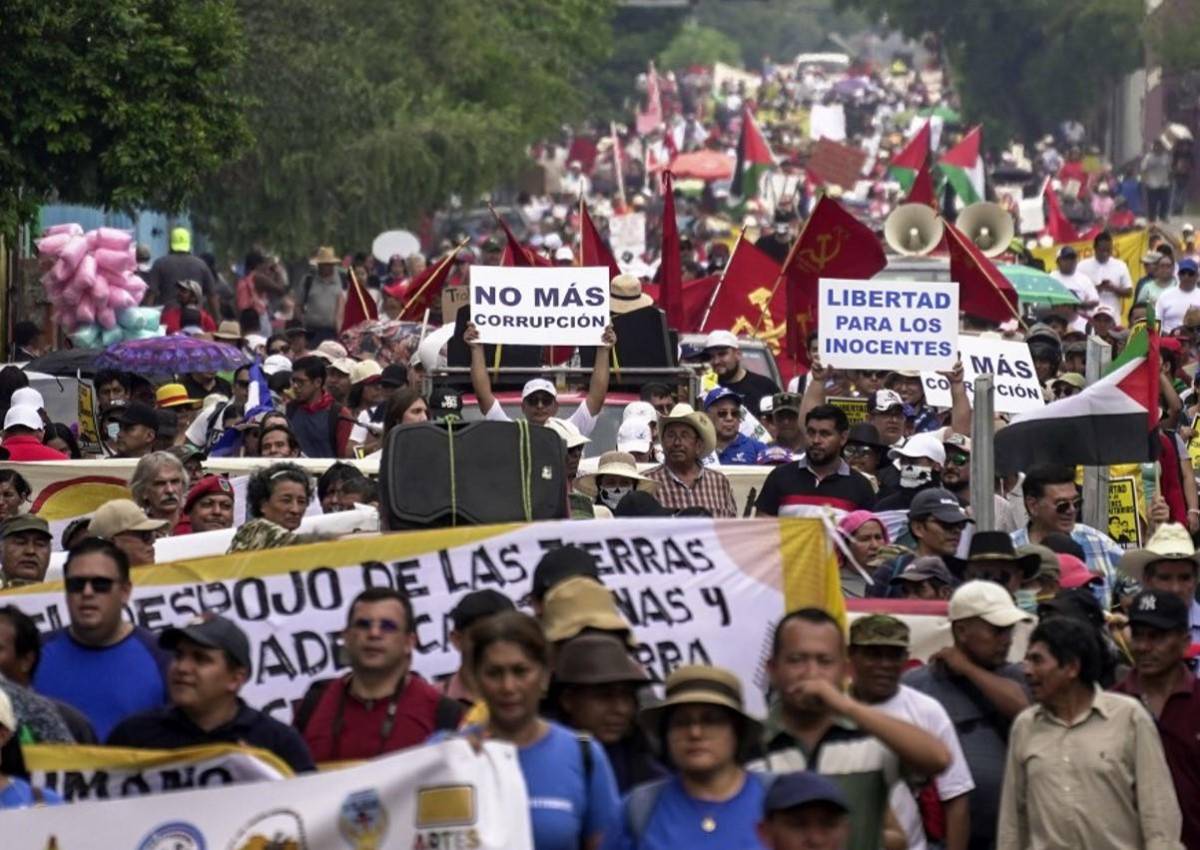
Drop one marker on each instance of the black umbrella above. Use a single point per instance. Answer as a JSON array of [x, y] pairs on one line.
[[66, 363]]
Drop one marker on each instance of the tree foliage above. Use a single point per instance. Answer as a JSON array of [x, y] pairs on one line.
[[777, 28], [1023, 66], [368, 114], [699, 45], [116, 103]]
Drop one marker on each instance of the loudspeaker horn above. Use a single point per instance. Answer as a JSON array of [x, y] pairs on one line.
[[913, 230], [988, 226]]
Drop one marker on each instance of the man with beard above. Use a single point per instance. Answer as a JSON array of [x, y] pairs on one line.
[[886, 412], [821, 478], [815, 726], [878, 654], [209, 506], [158, 485], [725, 357]]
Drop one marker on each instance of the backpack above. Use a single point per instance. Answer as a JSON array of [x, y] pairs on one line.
[[639, 805]]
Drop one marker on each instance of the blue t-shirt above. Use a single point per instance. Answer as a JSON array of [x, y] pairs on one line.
[[18, 795], [675, 822], [106, 683], [743, 449], [562, 808]]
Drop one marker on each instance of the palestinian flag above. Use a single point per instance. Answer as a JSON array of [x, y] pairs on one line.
[[1109, 422], [753, 158], [911, 159], [963, 167]]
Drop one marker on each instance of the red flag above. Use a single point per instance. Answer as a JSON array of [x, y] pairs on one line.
[[1057, 225], [696, 295], [745, 295], [911, 157], [594, 251], [426, 288], [670, 268], [922, 189], [983, 291], [360, 306], [833, 244], [516, 254]]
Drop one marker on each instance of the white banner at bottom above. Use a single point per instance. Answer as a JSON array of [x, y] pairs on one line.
[[442, 795]]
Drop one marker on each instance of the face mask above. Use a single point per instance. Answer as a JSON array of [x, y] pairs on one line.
[[1027, 601], [111, 429], [610, 496], [912, 475]]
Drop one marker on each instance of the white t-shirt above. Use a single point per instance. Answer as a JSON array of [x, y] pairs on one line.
[[1080, 284], [926, 713], [582, 417], [360, 432], [1173, 305], [1115, 271]]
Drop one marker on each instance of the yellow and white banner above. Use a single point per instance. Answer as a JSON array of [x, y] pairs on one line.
[[438, 796], [1129, 246], [695, 590], [107, 773]]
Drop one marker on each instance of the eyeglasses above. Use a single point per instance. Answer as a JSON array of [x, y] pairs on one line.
[[958, 458], [858, 451], [1062, 507], [727, 414], [100, 584], [365, 624]]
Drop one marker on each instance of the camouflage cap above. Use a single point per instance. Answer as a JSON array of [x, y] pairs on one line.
[[878, 630]]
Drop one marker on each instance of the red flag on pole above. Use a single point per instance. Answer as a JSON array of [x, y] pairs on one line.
[[922, 189], [426, 288], [835, 244], [594, 251], [670, 267], [360, 306], [983, 291], [1057, 225], [516, 254], [695, 297]]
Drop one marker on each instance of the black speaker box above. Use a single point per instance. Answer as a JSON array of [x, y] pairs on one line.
[[488, 480]]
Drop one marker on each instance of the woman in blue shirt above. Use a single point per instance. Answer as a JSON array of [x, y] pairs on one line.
[[572, 793], [16, 793], [712, 802]]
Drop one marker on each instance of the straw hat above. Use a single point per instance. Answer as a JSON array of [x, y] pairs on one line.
[[174, 395], [229, 330], [626, 295], [366, 372], [614, 463], [326, 257], [1170, 543], [700, 683], [582, 603], [698, 421]]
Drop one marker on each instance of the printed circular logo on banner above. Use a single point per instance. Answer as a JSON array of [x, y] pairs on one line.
[[363, 820], [175, 835], [278, 829]]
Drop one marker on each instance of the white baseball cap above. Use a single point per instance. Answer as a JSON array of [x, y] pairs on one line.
[[564, 254], [634, 436], [29, 396], [567, 431], [538, 385], [927, 445], [886, 400], [25, 415], [643, 410], [552, 241], [720, 339], [766, 404], [277, 363], [988, 601]]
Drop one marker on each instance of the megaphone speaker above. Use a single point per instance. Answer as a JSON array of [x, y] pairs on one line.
[[989, 226], [913, 230]]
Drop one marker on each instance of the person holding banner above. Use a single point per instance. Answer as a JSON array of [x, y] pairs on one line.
[[572, 793], [539, 399]]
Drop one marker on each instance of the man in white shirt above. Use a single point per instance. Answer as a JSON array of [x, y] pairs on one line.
[[1173, 304], [878, 653], [1109, 274], [1069, 276]]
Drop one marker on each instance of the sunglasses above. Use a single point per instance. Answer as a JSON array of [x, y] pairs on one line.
[[1186, 273], [365, 624], [958, 458], [949, 526], [100, 584], [726, 414], [1062, 507], [858, 451], [540, 400]]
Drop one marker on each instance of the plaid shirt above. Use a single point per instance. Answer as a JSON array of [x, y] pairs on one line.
[[1100, 553], [710, 491]]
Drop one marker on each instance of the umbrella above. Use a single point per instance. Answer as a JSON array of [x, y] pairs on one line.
[[66, 363], [947, 114], [703, 165], [1036, 287], [171, 355]]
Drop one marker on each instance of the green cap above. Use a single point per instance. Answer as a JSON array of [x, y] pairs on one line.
[[878, 630], [25, 522]]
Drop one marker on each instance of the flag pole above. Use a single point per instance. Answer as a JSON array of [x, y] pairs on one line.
[[358, 293], [783, 269], [1016, 314], [612, 127], [712, 299]]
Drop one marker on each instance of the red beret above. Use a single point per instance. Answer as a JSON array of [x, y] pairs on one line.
[[206, 485]]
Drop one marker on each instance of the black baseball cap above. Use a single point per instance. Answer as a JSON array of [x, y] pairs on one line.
[[479, 604], [1159, 610], [212, 631], [393, 375], [136, 413], [791, 790], [560, 564], [939, 504]]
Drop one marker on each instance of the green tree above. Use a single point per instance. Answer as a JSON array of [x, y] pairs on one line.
[[1021, 67], [369, 114], [777, 28], [116, 103], [699, 45]]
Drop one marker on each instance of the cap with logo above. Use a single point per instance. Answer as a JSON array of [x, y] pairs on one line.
[[879, 630], [634, 436], [988, 601], [118, 516], [884, 400], [786, 401], [1159, 609], [206, 486], [643, 410], [445, 401], [718, 393], [720, 339], [211, 631], [538, 385], [937, 503]]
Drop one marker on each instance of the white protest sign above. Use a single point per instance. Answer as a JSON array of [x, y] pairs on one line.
[[565, 305], [437, 796], [1009, 361], [892, 324], [627, 234], [827, 121]]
